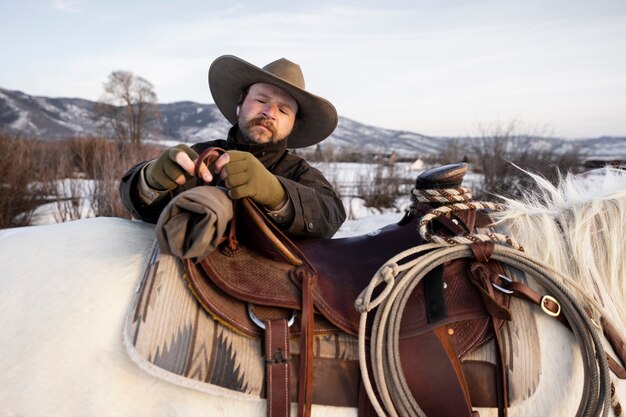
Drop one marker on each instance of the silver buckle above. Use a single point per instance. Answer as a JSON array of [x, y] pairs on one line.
[[499, 288], [260, 323]]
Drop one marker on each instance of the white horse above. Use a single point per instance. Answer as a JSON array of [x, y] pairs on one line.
[[65, 290]]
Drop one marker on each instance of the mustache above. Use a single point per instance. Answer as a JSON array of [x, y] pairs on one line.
[[262, 121]]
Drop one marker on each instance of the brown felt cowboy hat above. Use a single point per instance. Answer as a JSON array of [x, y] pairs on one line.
[[229, 75]]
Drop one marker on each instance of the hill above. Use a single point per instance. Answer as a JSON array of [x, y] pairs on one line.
[[59, 118]]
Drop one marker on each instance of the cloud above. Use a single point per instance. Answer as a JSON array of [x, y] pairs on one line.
[[69, 6], [420, 65]]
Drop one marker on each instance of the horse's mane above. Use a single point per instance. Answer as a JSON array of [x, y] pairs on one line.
[[578, 227]]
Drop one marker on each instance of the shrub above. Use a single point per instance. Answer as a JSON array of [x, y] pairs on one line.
[[20, 170], [80, 175], [381, 186]]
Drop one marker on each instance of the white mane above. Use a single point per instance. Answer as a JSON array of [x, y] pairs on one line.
[[574, 227]]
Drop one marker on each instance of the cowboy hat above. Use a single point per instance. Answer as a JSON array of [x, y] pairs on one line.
[[229, 75]]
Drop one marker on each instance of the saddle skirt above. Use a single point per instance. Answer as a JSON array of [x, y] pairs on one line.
[[170, 335]]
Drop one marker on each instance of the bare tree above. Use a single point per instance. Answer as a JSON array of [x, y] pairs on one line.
[[500, 153], [381, 185], [129, 106], [452, 152]]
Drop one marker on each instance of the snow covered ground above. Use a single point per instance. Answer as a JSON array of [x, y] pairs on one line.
[[344, 176]]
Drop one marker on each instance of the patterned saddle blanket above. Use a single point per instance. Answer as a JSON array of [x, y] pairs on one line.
[[169, 335]]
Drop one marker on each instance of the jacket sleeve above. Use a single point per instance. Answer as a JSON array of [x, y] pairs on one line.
[[318, 211], [133, 203], [136, 206]]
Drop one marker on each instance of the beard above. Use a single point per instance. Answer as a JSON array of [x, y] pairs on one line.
[[247, 128]]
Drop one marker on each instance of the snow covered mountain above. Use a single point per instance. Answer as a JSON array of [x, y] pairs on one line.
[[59, 118], [42, 117]]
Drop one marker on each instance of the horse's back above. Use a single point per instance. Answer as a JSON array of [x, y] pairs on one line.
[[65, 290], [62, 288]]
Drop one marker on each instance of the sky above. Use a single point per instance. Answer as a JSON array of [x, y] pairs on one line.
[[435, 67]]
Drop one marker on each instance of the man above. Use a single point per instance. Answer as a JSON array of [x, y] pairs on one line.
[[270, 110]]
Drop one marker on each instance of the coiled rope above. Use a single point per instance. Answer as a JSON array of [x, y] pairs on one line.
[[457, 200], [402, 273]]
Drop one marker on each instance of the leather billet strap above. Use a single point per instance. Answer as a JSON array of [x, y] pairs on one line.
[[547, 303], [482, 252], [208, 156], [483, 275], [305, 378], [551, 307], [277, 367], [618, 345], [278, 364]]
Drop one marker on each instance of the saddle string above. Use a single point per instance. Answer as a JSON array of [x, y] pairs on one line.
[[403, 277]]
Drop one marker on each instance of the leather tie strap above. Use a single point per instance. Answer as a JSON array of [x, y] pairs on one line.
[[305, 386], [277, 361], [454, 228], [482, 251], [482, 276]]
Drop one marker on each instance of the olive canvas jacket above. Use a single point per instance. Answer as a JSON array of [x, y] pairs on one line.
[[318, 211]]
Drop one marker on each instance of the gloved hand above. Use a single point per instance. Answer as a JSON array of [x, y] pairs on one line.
[[246, 176], [166, 173]]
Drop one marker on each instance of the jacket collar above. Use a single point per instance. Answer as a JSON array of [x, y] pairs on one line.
[[268, 153]]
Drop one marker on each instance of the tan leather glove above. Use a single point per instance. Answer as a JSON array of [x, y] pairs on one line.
[[161, 174], [247, 177]]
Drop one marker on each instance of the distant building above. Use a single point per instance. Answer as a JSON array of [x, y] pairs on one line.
[[417, 165]]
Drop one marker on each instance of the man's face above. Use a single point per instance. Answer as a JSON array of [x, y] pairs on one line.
[[267, 114]]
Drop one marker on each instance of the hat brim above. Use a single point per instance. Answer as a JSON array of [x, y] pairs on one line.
[[229, 75]]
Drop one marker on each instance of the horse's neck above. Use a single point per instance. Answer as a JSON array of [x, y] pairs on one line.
[[580, 233]]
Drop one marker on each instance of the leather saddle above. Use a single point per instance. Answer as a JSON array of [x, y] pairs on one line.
[[260, 277]]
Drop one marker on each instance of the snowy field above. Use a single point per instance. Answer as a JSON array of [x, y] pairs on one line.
[[345, 176]]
